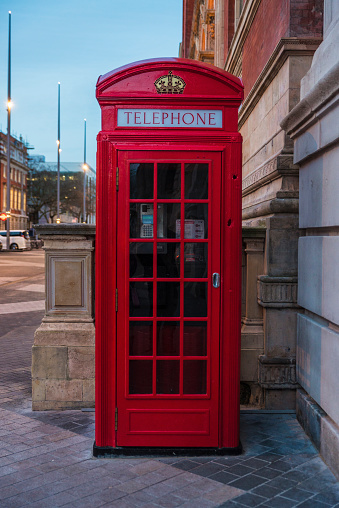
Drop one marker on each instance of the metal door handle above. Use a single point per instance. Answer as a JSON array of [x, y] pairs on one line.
[[216, 280]]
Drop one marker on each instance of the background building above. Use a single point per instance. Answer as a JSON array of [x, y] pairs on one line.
[[42, 191], [269, 45], [18, 173], [290, 335]]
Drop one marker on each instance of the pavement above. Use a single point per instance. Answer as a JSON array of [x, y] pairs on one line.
[[46, 457]]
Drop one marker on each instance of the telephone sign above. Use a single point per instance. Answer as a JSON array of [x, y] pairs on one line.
[[168, 259], [170, 118]]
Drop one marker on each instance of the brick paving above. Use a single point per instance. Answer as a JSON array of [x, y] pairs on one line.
[[46, 457]]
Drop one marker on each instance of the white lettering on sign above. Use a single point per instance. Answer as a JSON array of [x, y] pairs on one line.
[[205, 118]]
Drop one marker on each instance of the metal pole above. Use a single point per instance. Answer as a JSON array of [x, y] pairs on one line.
[[84, 167], [58, 159], [8, 174]]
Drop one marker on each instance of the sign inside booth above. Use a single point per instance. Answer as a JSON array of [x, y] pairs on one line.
[[203, 118]]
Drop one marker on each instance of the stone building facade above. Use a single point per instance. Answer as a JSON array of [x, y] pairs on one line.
[[269, 45], [18, 192], [314, 127]]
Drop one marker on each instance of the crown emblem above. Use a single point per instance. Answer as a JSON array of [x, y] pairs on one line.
[[170, 84]]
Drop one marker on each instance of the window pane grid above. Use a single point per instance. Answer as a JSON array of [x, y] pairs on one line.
[[199, 362]]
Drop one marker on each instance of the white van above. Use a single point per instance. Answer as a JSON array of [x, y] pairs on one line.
[[19, 239]]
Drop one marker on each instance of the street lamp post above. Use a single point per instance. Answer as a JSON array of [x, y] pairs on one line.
[[9, 104], [84, 167], [58, 159]]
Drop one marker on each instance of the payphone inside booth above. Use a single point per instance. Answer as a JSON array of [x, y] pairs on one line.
[[168, 253]]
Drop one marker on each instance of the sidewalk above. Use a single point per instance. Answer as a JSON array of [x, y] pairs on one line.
[[46, 457]]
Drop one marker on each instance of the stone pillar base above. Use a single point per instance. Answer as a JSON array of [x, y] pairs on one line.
[[63, 366]]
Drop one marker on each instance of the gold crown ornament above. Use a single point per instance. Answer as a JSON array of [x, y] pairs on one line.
[[170, 84]]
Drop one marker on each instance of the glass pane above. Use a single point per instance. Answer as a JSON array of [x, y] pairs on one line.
[[196, 181], [195, 260], [141, 299], [169, 181], [140, 338], [168, 372], [141, 259], [141, 180], [140, 376], [168, 338], [195, 339], [168, 260], [196, 220], [168, 214], [195, 299], [168, 299], [195, 376], [141, 220]]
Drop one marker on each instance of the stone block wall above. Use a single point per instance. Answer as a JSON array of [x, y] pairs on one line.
[[313, 126]]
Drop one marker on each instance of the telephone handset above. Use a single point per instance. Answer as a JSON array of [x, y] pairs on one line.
[[146, 220]]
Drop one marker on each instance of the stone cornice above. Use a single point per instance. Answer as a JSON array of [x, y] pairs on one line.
[[234, 55], [65, 229], [269, 171], [277, 373], [271, 206], [305, 112], [284, 49], [277, 292], [249, 233]]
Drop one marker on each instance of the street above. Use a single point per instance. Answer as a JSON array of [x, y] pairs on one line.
[[22, 290], [46, 456]]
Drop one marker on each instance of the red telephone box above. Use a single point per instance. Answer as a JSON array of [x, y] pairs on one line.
[[168, 255]]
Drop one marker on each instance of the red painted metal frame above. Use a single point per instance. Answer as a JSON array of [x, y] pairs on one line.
[[206, 88], [158, 405]]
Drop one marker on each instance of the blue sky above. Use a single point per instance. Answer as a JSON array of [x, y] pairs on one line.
[[74, 41]]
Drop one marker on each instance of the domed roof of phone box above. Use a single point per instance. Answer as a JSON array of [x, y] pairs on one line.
[[145, 80]]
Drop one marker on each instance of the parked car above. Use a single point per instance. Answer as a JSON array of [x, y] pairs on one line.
[[19, 239]]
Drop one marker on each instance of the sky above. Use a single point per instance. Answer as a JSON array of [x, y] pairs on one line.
[[73, 42]]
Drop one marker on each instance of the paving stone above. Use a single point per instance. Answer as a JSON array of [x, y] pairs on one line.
[[270, 457], [203, 503], [221, 494], [229, 461], [281, 465], [330, 495], [240, 470], [224, 477], [255, 463], [280, 502], [169, 501], [207, 469], [186, 465], [248, 482], [268, 472], [250, 499], [282, 484], [312, 503], [297, 494], [266, 491]]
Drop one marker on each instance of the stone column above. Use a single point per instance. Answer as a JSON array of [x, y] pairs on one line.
[[63, 350], [252, 332]]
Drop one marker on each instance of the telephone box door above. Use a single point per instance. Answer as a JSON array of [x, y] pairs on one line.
[[168, 307]]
